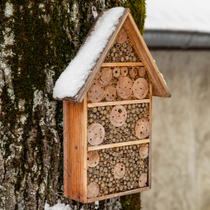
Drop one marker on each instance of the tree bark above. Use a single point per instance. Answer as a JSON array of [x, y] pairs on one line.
[[38, 39]]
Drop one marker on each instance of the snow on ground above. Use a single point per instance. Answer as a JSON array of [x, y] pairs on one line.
[[181, 15], [74, 76], [58, 206]]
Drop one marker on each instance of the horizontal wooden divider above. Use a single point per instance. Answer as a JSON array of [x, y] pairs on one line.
[[122, 64], [118, 194], [119, 103], [107, 146]]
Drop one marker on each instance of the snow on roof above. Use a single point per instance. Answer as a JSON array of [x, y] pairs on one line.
[[74, 76], [179, 15]]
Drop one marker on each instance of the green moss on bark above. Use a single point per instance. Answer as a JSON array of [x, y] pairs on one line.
[[47, 35], [131, 202]]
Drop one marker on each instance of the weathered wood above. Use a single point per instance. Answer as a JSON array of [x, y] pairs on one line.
[[118, 144], [122, 64], [118, 103], [75, 159], [118, 194]]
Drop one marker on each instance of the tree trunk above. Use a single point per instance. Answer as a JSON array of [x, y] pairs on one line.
[[37, 41]]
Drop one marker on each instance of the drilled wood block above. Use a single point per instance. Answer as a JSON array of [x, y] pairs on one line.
[[92, 190], [93, 158], [122, 36], [142, 128], [124, 133], [96, 134], [124, 87], [96, 91], [118, 116], [143, 180], [116, 83], [144, 151], [120, 169], [140, 88], [110, 93]]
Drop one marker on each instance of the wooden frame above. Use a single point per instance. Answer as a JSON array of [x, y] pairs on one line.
[[121, 64], [118, 103], [118, 144], [117, 194], [75, 149]]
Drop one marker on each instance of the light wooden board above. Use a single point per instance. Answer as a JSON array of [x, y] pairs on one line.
[[150, 145], [107, 146], [118, 194], [119, 103], [75, 145], [122, 64]]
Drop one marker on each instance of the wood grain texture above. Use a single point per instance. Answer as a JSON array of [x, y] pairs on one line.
[[119, 103], [107, 146], [160, 88], [122, 64], [150, 145], [118, 194], [75, 147]]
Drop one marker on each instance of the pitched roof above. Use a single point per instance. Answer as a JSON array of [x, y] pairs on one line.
[[75, 81]]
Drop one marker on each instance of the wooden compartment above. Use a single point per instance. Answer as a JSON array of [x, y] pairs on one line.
[[76, 149], [108, 136]]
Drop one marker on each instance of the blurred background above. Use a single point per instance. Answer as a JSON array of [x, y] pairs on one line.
[[178, 36]]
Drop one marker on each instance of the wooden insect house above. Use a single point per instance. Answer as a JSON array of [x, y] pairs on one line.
[[107, 94]]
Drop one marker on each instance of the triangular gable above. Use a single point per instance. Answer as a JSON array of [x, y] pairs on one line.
[[126, 21], [159, 85]]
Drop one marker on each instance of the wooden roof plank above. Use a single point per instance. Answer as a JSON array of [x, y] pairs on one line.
[[100, 61], [160, 88]]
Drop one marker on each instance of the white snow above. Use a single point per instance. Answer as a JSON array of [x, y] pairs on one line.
[[58, 206], [8, 9], [74, 76], [179, 15]]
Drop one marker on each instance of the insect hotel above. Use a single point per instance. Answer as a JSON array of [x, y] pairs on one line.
[[107, 94]]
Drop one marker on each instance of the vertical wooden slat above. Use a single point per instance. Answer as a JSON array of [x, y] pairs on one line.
[[65, 146], [85, 147], [75, 149], [150, 145]]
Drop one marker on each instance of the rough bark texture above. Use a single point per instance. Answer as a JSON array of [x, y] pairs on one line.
[[38, 39]]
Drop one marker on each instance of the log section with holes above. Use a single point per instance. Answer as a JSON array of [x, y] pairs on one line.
[[122, 154]]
